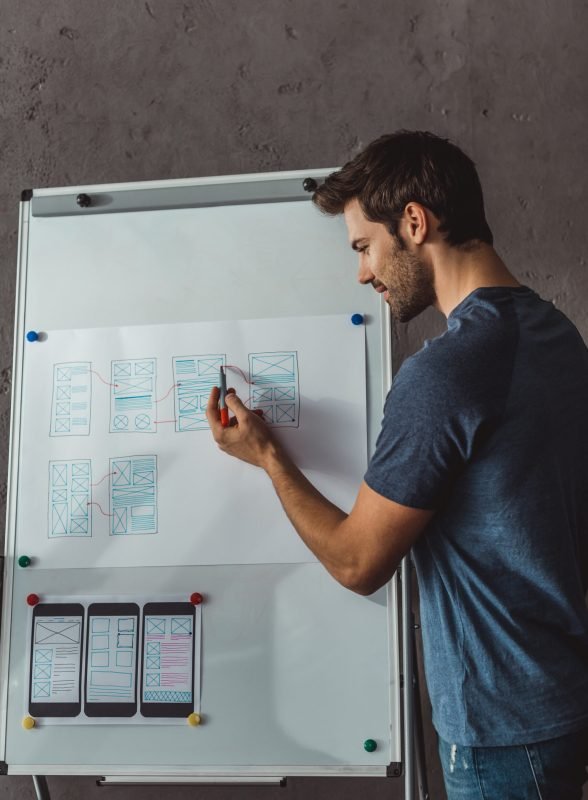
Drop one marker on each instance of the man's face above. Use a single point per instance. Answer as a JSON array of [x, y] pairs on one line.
[[390, 265]]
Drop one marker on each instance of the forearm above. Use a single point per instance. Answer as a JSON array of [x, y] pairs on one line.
[[318, 522]]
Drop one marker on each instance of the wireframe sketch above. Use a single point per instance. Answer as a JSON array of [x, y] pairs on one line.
[[133, 495], [194, 377], [168, 659], [275, 387], [56, 657], [70, 495], [111, 659], [72, 397], [132, 399]]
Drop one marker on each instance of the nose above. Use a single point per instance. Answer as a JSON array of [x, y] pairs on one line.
[[364, 273]]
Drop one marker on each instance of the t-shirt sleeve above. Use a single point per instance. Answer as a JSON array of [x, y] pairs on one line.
[[432, 418]]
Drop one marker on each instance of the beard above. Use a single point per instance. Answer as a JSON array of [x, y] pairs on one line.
[[410, 283]]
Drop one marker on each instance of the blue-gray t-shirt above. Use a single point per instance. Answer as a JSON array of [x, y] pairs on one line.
[[488, 426]]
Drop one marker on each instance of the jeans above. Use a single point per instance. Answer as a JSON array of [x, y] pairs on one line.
[[550, 770]]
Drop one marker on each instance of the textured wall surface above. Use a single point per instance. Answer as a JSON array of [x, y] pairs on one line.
[[124, 90]]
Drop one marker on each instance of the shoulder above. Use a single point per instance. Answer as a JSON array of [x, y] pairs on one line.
[[471, 361]]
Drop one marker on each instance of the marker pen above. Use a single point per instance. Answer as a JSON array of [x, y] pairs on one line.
[[224, 411]]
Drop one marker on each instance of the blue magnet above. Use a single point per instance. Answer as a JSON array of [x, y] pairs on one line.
[[32, 336], [357, 319]]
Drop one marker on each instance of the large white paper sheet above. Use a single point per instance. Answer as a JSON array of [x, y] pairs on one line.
[[118, 466]]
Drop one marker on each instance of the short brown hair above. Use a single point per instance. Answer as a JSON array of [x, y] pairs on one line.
[[412, 166]]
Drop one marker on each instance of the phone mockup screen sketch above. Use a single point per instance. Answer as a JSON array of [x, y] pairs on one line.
[[167, 674], [112, 647], [56, 660]]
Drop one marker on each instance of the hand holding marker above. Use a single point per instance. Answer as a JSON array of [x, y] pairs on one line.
[[224, 411]]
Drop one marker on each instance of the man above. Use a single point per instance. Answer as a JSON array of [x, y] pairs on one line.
[[481, 467]]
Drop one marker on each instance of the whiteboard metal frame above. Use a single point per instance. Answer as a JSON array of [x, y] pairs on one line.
[[168, 195], [12, 477], [56, 202]]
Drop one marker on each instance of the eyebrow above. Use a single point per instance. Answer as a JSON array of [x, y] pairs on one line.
[[355, 244]]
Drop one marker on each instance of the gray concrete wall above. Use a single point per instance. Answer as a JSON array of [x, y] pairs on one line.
[[122, 90]]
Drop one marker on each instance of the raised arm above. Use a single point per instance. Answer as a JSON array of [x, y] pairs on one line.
[[361, 549]]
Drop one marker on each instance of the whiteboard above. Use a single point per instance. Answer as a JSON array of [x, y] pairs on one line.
[[297, 672]]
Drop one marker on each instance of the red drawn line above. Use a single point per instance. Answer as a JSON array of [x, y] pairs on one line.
[[167, 395], [164, 421], [104, 478], [93, 371], [100, 509], [238, 369]]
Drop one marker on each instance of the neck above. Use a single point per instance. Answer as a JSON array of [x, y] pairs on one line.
[[459, 272]]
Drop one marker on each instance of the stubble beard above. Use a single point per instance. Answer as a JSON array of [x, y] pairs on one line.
[[410, 285]]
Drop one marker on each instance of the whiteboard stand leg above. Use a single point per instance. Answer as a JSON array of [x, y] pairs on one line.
[[419, 737], [407, 668], [41, 787], [414, 748]]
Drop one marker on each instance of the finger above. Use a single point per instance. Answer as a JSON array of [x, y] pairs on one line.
[[212, 405], [258, 412], [237, 407], [212, 411]]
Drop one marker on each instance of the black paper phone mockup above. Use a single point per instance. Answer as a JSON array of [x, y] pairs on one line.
[[112, 655], [167, 671], [55, 685]]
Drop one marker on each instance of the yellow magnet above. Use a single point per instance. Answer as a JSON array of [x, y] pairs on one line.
[[28, 723], [193, 719]]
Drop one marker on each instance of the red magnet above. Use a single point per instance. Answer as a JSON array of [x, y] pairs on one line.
[[33, 599], [196, 598]]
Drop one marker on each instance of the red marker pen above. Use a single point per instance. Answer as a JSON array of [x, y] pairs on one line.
[[224, 411]]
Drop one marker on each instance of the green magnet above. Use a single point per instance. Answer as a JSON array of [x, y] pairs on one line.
[[24, 561], [370, 745]]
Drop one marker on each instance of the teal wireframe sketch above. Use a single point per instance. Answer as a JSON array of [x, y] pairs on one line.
[[70, 495], [71, 402], [133, 495], [111, 659], [275, 387], [42, 670], [194, 377], [168, 646], [132, 398], [56, 643], [167, 697]]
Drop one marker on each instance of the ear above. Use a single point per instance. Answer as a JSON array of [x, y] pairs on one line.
[[416, 222]]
